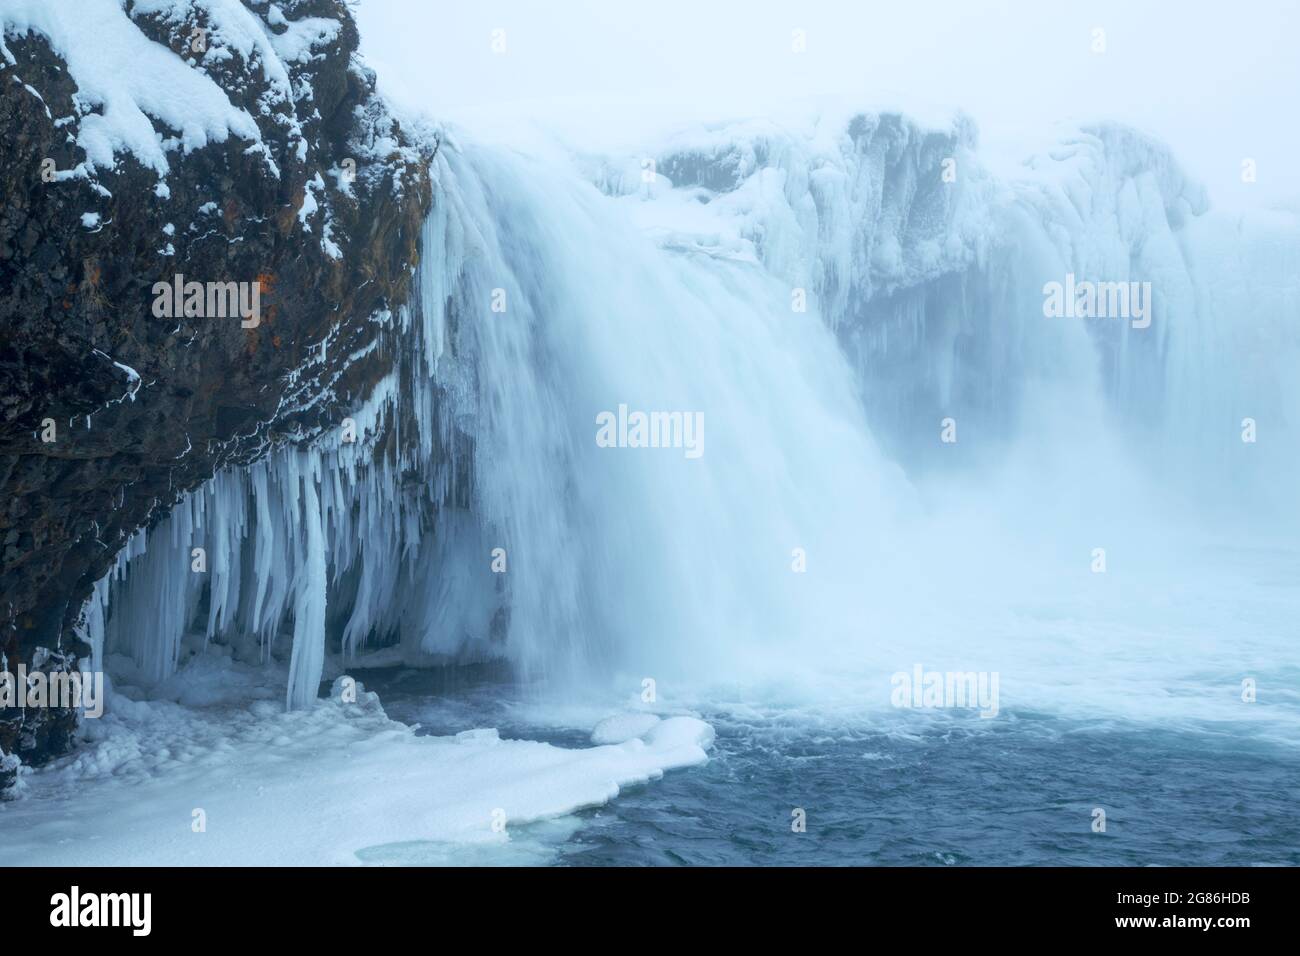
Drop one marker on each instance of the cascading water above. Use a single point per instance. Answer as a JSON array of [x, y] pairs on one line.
[[819, 517]]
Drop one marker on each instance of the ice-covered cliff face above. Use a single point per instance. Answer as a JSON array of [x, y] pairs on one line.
[[238, 145], [932, 272], [857, 317]]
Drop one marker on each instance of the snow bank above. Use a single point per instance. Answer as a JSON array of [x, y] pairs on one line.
[[96, 39], [668, 732], [623, 727], [163, 101], [310, 787]]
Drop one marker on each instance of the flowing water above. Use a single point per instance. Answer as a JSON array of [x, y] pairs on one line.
[[917, 473], [884, 790]]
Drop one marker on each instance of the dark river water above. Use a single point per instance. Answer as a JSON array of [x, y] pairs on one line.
[[1021, 790]]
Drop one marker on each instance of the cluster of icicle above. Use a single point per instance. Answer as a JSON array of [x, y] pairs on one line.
[[927, 301], [311, 536]]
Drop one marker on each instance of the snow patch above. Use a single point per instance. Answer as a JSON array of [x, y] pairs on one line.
[[623, 727], [126, 82], [315, 787]]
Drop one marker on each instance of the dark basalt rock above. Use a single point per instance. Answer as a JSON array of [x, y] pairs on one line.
[[76, 299]]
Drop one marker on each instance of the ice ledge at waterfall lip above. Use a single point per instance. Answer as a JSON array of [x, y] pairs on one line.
[[311, 787], [1062, 152], [824, 131], [841, 197]]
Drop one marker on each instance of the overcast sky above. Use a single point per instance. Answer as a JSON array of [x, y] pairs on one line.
[[1219, 81]]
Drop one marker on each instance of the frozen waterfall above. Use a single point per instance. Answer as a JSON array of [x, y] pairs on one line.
[[853, 311]]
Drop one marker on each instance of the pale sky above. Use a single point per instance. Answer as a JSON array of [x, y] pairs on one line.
[[1218, 81]]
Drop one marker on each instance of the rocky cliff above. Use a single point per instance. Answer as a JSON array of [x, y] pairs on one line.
[[149, 146]]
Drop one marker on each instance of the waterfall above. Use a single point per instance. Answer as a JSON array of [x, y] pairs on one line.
[[818, 307]]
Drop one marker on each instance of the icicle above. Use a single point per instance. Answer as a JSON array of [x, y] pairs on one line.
[[486, 419], [308, 660]]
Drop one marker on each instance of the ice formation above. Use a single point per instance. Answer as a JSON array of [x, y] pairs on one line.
[[252, 785], [552, 293]]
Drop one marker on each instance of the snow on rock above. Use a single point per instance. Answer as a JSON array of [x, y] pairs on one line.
[[120, 105], [301, 37], [310, 206], [166, 100], [307, 787], [132, 376]]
